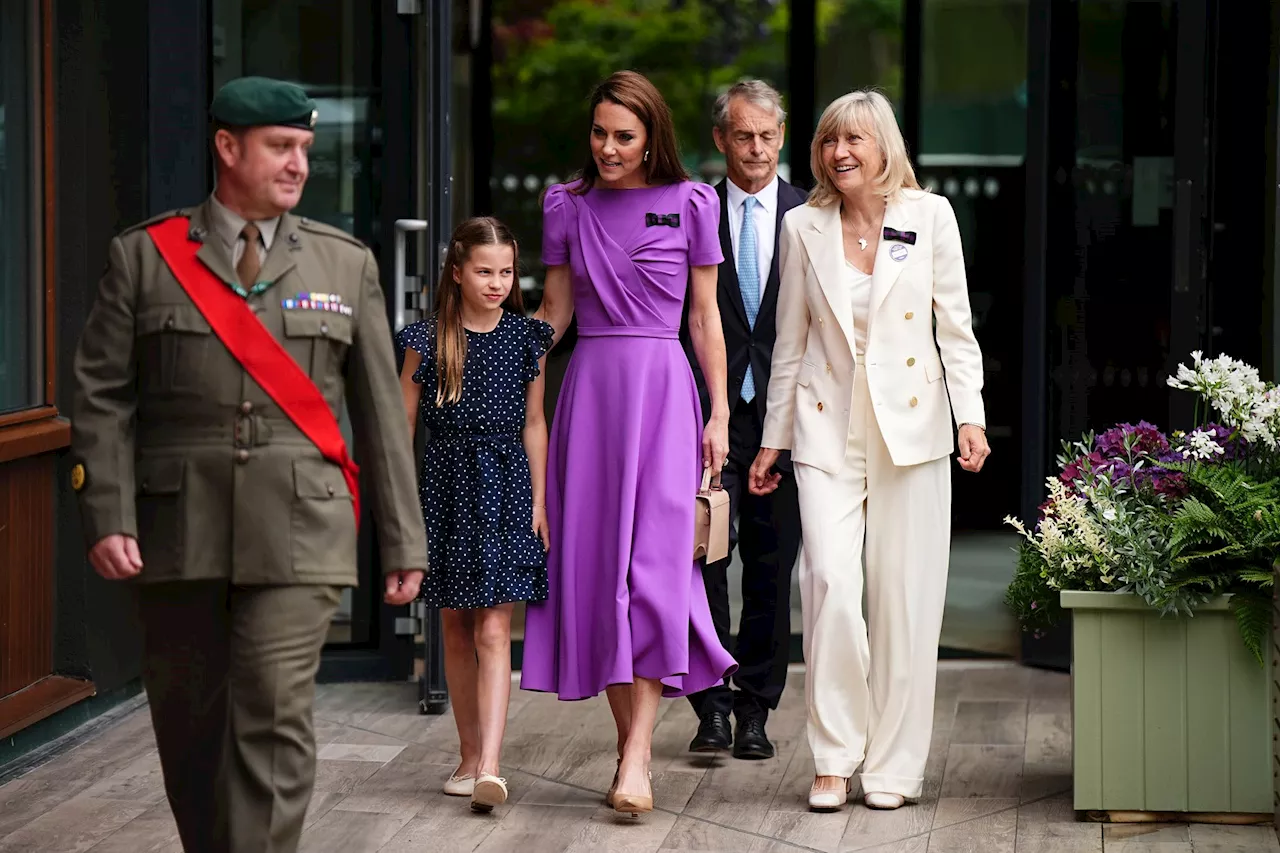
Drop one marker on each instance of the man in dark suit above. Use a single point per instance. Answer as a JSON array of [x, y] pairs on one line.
[[749, 129]]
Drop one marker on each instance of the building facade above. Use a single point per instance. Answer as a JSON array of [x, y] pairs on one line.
[[1113, 164]]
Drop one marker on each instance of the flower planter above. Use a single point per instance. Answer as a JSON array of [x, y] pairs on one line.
[[1170, 714]]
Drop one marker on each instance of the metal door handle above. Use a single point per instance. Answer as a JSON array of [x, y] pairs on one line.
[[402, 281]]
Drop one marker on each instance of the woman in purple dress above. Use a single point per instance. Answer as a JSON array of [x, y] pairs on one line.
[[627, 611]]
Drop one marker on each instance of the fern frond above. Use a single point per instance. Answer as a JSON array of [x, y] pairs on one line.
[[1253, 617]]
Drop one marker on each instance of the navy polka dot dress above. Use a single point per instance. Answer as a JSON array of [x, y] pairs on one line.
[[477, 499]]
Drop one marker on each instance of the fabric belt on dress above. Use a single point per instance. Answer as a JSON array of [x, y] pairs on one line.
[[490, 454], [628, 332], [860, 359]]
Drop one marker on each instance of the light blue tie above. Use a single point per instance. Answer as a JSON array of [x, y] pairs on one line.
[[749, 281]]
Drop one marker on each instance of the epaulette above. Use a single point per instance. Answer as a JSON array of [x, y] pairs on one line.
[[160, 217], [313, 227]]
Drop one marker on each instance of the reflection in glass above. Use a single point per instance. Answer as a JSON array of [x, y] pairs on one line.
[[549, 55], [329, 47], [859, 46], [18, 308], [974, 82]]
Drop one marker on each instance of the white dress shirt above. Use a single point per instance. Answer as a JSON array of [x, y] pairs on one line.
[[765, 217]]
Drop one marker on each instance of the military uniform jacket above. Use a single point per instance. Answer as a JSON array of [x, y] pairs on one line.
[[181, 449]]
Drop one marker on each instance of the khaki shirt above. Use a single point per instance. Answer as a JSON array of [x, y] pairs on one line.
[[180, 448]]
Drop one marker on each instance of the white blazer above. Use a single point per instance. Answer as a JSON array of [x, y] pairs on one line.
[[914, 288]]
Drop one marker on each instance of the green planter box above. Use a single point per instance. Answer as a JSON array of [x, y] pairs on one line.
[[1169, 714]]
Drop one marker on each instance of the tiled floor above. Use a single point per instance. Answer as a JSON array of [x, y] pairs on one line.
[[998, 781]]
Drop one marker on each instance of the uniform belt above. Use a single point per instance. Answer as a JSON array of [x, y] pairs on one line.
[[239, 431]]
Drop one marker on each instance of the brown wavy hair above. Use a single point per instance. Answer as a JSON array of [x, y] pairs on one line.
[[632, 90], [451, 335]]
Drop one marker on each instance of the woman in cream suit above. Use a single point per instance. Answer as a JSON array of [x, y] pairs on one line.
[[875, 357]]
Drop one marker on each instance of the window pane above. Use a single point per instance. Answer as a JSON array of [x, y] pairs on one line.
[[974, 82], [19, 310], [859, 46], [549, 54], [329, 48]]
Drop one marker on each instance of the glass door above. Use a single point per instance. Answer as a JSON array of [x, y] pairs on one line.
[[369, 67], [1126, 228]]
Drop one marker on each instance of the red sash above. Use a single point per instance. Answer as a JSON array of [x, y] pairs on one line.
[[257, 350]]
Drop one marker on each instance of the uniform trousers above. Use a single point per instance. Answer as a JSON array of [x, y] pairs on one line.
[[870, 680], [230, 677]]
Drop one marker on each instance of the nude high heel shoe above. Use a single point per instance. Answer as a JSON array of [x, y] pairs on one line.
[[823, 800], [613, 786], [634, 804]]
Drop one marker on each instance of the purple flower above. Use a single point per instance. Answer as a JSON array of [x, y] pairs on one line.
[[1145, 440]]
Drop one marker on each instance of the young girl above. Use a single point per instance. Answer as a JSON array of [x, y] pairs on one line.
[[483, 482]]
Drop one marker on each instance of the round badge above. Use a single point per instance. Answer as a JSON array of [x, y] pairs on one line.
[[77, 477], [898, 252]]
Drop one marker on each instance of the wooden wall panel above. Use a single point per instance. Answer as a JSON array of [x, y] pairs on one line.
[[26, 571]]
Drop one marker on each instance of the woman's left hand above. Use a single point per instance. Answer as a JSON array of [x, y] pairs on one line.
[[541, 528], [973, 447], [715, 444]]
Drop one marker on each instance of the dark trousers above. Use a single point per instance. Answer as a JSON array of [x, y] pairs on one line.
[[766, 532], [230, 676]]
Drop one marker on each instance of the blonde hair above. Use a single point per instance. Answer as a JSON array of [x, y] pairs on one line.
[[870, 113]]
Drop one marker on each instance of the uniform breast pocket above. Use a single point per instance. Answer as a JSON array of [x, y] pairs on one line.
[[173, 346], [319, 340]]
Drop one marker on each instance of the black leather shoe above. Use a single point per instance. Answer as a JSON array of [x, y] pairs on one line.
[[714, 733], [750, 741]]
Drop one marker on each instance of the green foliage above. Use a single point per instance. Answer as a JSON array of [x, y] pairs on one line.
[[1253, 617]]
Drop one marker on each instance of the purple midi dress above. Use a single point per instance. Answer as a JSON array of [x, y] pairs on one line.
[[626, 598]]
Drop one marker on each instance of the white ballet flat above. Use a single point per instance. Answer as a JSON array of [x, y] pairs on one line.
[[878, 800], [460, 786], [827, 800], [490, 791]]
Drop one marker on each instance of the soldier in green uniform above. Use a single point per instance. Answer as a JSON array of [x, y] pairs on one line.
[[194, 483]]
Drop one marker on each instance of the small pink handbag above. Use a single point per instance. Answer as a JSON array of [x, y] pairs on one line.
[[711, 520]]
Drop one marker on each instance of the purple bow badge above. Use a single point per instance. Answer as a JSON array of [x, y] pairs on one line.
[[671, 219], [902, 236]]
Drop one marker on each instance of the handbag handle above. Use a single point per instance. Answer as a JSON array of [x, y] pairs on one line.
[[709, 482]]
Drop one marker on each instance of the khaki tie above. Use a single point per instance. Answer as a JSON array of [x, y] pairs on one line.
[[250, 264]]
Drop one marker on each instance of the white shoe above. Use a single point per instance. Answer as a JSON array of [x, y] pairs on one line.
[[490, 791], [877, 800], [828, 800], [460, 786]]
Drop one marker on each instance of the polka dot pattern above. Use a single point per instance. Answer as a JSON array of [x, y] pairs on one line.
[[477, 498]]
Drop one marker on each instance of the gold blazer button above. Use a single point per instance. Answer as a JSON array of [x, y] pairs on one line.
[[828, 367], [819, 407], [911, 362], [910, 314], [914, 402]]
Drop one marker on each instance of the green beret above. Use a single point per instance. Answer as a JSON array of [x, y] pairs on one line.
[[259, 101]]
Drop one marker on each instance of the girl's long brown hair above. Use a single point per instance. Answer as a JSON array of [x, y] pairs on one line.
[[451, 335], [634, 91]]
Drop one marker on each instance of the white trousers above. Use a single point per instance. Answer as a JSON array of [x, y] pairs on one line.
[[870, 680]]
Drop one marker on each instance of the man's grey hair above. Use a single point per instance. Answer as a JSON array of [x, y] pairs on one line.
[[756, 92]]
